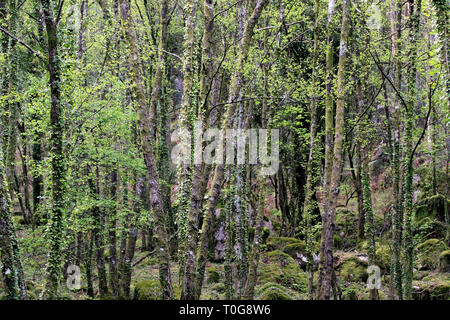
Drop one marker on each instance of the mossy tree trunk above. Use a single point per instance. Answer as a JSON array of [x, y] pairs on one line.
[[216, 185], [324, 293], [396, 20], [329, 129], [415, 14], [311, 174], [7, 237], [146, 123], [188, 227], [58, 159]]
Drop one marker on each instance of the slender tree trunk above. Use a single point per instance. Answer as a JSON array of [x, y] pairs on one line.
[[415, 14], [396, 19], [7, 238], [216, 185], [370, 227], [145, 119], [324, 293], [57, 161], [310, 190], [198, 180], [329, 129], [99, 225], [113, 273]]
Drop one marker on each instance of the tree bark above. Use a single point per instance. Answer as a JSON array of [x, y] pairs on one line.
[[324, 293], [145, 119]]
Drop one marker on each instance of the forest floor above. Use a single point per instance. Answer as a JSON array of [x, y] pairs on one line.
[[281, 273], [282, 268]]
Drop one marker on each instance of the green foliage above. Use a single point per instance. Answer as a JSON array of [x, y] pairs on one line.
[[147, 290]]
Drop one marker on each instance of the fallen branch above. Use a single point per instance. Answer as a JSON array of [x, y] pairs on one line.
[[143, 258]]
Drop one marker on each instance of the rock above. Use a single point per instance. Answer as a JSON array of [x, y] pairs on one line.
[[444, 261], [428, 254], [353, 269], [432, 207], [291, 246], [279, 267], [432, 287], [219, 287], [429, 228]]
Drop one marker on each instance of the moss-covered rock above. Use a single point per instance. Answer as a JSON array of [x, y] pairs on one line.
[[292, 246], [432, 287], [432, 207], [279, 267], [428, 254], [279, 243], [213, 275], [429, 228], [147, 290], [275, 291], [444, 261], [353, 269], [383, 255]]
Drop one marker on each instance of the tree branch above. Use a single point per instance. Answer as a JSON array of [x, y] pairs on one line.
[[36, 53]]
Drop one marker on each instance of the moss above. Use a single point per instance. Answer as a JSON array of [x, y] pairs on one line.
[[279, 267], [281, 243], [353, 269], [428, 254], [432, 207], [433, 287], [428, 228], [354, 291], [383, 255], [293, 248], [147, 290], [218, 287], [108, 296], [274, 291], [444, 261], [208, 294], [213, 275], [265, 234], [337, 240], [363, 246]]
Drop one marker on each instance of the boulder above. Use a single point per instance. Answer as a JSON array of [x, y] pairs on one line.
[[428, 254], [444, 261]]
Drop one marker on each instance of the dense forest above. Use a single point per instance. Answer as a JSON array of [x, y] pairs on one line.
[[214, 149]]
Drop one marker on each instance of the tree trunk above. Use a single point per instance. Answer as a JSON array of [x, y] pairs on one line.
[[216, 185], [324, 293], [145, 119], [57, 160]]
